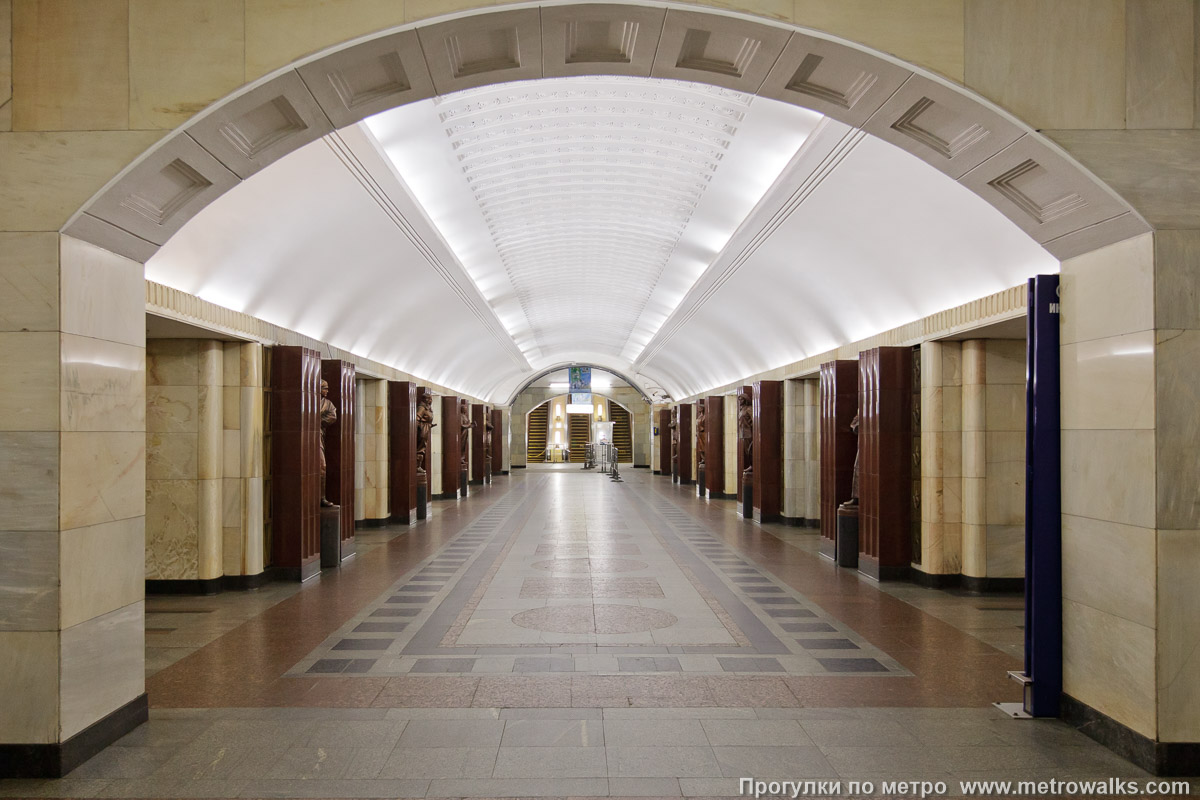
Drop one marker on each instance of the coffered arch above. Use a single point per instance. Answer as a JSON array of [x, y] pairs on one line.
[[976, 146]]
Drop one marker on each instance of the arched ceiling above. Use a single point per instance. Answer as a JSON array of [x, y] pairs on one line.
[[687, 236], [585, 208]]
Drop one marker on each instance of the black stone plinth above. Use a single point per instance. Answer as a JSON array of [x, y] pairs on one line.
[[463, 483], [847, 537], [331, 537], [700, 483], [422, 497], [747, 496]]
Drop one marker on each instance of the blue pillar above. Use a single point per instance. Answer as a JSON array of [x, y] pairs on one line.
[[1043, 502]]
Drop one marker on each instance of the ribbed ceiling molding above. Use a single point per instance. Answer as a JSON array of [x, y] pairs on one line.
[[586, 195]]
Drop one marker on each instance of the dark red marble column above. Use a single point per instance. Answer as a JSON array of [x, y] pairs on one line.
[[839, 404], [450, 459], [478, 468], [498, 435], [714, 453], [664, 442], [339, 446], [768, 451], [685, 443], [295, 461], [402, 447], [748, 393], [885, 469]]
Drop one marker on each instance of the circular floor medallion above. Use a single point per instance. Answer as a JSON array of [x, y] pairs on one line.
[[590, 566], [600, 618]]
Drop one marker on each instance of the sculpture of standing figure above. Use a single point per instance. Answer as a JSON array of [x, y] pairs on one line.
[[674, 426], [745, 427], [464, 435], [701, 438], [328, 417], [852, 503], [425, 426], [487, 438]]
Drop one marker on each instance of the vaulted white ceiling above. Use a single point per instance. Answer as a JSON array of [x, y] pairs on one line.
[[687, 236], [585, 208]]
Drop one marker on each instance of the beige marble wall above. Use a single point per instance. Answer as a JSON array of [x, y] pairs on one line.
[[1177, 397], [731, 450], [74, 462], [943, 486], [434, 470], [1108, 482], [801, 449], [242, 471], [371, 450], [185, 459]]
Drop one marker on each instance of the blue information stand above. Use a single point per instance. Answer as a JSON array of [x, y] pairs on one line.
[[1043, 504]]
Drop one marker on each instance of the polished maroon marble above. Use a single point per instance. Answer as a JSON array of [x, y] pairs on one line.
[[295, 426], [664, 441], [885, 439], [684, 421], [339, 445], [839, 404], [714, 455], [450, 429], [479, 413], [768, 451], [403, 398], [748, 393]]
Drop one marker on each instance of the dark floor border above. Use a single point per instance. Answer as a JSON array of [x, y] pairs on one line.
[[935, 580], [1165, 759], [56, 760], [641, 466], [446, 495], [721, 495], [968, 583], [226, 583], [381, 522], [799, 522], [518, 466], [973, 585]]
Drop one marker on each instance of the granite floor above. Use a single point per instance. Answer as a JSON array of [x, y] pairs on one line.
[[558, 634]]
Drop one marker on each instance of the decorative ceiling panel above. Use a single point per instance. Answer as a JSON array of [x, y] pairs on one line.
[[585, 207]]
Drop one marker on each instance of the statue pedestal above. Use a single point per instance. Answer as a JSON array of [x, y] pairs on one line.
[[331, 537], [747, 495], [847, 536], [462, 483], [487, 472], [422, 495], [700, 482]]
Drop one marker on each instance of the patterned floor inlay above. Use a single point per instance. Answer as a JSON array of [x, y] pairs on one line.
[[571, 583], [602, 619]]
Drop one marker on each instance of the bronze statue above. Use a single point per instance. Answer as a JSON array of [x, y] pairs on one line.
[[464, 435], [674, 426], [852, 503], [425, 426], [328, 417], [745, 427], [487, 437], [701, 437]]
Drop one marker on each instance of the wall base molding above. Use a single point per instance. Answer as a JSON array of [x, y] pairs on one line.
[[56, 760], [211, 586], [969, 584], [800, 522], [374, 523], [1165, 759]]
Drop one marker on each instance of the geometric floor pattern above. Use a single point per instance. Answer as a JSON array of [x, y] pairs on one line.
[[591, 581], [560, 635]]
